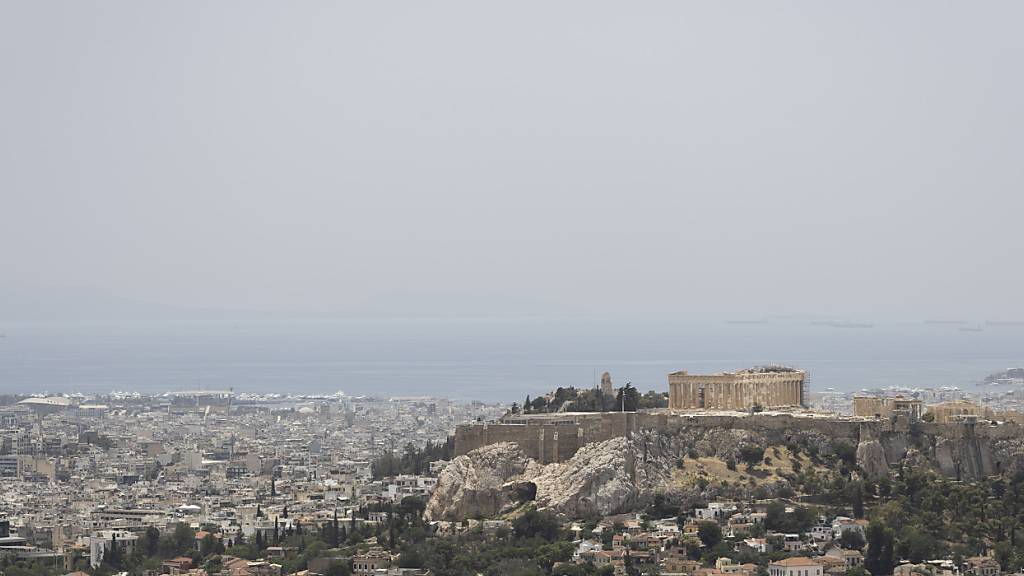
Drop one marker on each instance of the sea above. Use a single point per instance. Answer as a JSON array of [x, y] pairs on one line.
[[486, 359]]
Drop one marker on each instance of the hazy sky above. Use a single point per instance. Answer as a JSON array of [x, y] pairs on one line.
[[716, 159]]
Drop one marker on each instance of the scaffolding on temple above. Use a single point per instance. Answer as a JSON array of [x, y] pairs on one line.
[[805, 391]]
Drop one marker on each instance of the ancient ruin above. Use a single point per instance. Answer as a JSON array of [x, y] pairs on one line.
[[762, 387]]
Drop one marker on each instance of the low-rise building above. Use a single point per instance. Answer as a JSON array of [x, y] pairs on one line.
[[981, 566], [370, 561], [103, 541], [795, 566]]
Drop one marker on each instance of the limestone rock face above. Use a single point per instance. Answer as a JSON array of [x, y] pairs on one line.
[[963, 458], [471, 485], [617, 475], [1008, 454], [598, 479], [871, 459], [601, 478], [625, 473], [914, 458], [684, 464]]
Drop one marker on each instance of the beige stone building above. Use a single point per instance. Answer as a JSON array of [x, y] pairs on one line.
[[960, 411], [795, 566], [765, 387], [887, 406]]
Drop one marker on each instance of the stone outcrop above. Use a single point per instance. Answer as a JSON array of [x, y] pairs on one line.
[[625, 472], [472, 485], [871, 458], [490, 480], [613, 476], [966, 451], [599, 479]]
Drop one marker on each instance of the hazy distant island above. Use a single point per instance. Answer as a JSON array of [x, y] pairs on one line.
[[842, 324], [1010, 377]]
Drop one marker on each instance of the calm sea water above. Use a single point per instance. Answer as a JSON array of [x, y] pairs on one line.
[[488, 360]]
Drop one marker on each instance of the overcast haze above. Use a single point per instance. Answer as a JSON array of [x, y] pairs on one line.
[[714, 160]]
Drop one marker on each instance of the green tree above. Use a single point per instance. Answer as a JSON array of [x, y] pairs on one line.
[[113, 556], [851, 540], [412, 507], [213, 565], [149, 541], [515, 567], [752, 455], [559, 551], [336, 529], [880, 559], [627, 399], [710, 533], [915, 545], [847, 453], [535, 524], [653, 399], [540, 404], [856, 498], [208, 545]]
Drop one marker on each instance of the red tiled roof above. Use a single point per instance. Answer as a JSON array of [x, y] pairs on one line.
[[796, 561]]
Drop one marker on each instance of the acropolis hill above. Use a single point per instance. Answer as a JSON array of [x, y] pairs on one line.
[[765, 405]]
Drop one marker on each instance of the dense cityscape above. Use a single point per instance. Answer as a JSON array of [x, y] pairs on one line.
[[205, 483], [532, 288]]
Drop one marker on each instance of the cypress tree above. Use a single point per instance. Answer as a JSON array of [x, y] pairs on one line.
[[335, 532], [114, 558]]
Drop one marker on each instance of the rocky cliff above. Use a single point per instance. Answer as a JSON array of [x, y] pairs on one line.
[[698, 463], [473, 485], [613, 476]]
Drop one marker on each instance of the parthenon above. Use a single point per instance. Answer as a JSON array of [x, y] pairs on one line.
[[764, 387]]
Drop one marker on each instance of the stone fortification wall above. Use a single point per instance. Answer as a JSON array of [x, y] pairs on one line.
[[775, 426], [555, 438], [548, 438], [1004, 431]]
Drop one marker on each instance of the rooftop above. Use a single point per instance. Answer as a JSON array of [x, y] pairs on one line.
[[796, 561]]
